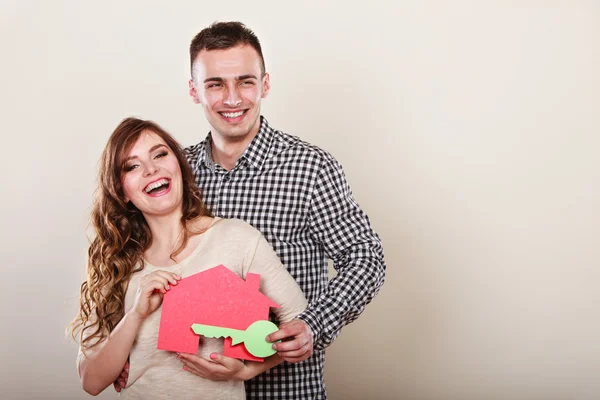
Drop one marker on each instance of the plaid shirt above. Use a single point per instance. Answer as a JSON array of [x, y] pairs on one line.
[[297, 196]]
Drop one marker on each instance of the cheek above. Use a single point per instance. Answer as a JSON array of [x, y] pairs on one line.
[[173, 168], [253, 94], [128, 188], [211, 98]]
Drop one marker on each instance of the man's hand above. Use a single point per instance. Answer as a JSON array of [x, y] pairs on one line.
[[221, 368], [297, 344], [121, 381]]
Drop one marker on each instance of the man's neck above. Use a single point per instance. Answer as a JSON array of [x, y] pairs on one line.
[[226, 152], [226, 155]]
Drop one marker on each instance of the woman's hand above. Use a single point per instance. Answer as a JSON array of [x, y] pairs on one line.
[[221, 368], [150, 292]]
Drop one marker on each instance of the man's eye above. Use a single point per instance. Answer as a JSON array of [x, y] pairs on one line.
[[214, 85], [247, 83]]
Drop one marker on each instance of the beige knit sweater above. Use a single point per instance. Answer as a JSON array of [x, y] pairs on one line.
[[158, 374]]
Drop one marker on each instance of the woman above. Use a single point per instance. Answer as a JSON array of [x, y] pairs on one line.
[[152, 229]]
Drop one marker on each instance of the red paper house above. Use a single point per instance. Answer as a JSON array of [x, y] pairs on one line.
[[215, 297]]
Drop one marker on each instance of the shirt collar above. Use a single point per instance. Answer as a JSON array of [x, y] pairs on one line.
[[255, 154]]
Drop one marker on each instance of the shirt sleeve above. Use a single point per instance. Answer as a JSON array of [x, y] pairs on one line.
[[343, 229], [86, 333], [276, 282]]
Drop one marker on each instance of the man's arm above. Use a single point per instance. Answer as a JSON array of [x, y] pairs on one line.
[[339, 224]]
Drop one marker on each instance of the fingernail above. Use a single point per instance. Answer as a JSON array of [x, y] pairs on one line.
[[274, 347], [168, 287], [213, 356]]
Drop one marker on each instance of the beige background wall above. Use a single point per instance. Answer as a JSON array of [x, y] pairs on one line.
[[469, 131]]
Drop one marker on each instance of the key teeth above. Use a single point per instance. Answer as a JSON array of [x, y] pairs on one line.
[[198, 330], [216, 337]]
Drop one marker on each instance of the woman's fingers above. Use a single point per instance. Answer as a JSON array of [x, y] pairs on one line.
[[220, 369], [167, 278], [171, 277], [151, 289], [154, 285]]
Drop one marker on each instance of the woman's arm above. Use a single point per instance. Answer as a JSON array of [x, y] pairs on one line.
[[103, 363], [281, 287], [275, 281]]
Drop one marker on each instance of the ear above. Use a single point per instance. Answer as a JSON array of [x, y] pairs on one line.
[[193, 92], [266, 86]]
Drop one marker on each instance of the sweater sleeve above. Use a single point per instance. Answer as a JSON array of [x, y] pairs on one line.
[[87, 332], [276, 282]]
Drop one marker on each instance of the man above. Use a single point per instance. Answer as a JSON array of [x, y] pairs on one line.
[[295, 194]]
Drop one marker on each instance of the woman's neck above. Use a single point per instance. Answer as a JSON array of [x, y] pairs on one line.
[[166, 232]]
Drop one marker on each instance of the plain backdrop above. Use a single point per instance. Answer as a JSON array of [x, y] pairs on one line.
[[468, 130]]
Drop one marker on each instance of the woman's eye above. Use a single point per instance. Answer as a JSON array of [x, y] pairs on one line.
[[130, 167], [161, 154]]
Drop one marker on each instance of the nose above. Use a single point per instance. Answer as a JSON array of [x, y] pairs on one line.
[[233, 98], [150, 169]]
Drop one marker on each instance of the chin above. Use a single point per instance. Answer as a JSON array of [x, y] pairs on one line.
[[235, 131]]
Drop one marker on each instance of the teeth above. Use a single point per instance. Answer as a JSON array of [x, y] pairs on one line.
[[156, 184], [232, 115]]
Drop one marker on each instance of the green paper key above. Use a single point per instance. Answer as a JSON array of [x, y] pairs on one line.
[[253, 337]]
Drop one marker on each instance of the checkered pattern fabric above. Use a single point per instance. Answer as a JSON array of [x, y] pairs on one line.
[[297, 196]]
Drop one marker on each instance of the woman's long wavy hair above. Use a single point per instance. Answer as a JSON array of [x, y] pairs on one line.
[[122, 234]]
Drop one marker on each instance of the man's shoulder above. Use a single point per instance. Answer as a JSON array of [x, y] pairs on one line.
[[195, 153], [194, 149], [294, 145]]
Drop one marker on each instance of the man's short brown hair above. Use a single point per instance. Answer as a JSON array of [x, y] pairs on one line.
[[223, 36]]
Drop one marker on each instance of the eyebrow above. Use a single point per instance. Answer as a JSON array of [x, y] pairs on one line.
[[156, 146], [239, 78]]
